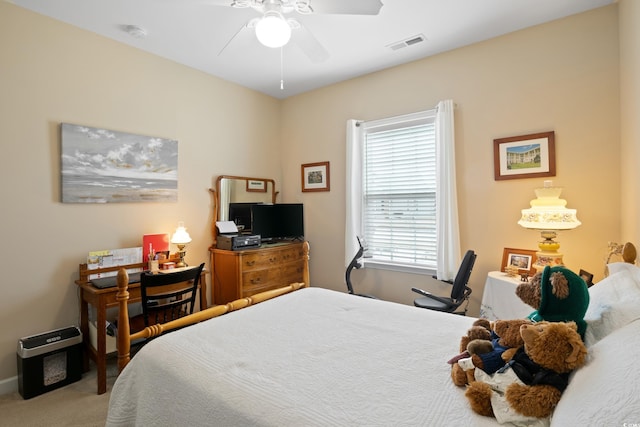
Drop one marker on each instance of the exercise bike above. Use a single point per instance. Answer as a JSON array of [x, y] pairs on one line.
[[356, 264]]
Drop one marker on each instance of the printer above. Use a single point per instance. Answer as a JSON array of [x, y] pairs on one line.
[[229, 238], [238, 242]]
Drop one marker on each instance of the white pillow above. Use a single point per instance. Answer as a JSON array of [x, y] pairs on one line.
[[605, 391], [613, 302], [616, 267]]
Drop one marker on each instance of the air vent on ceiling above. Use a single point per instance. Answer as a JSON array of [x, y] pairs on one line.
[[407, 42], [134, 31]]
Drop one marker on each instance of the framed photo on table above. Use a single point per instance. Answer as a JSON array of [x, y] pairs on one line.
[[315, 177], [523, 259], [525, 156], [587, 277]]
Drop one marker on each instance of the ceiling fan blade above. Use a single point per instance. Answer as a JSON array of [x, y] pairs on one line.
[[347, 7], [218, 2], [244, 27], [333, 7], [308, 43]]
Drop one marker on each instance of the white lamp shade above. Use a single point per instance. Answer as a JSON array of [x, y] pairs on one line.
[[548, 211], [180, 236], [272, 30]]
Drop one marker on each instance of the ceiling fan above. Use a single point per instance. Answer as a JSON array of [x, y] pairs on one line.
[[273, 30]]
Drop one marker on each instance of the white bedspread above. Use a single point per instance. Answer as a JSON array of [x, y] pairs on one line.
[[311, 358]]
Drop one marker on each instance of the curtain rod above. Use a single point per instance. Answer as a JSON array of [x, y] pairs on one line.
[[455, 107]]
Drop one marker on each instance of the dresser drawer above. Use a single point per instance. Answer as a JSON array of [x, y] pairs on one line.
[[292, 272], [291, 254], [259, 277], [247, 292], [260, 280], [260, 260]]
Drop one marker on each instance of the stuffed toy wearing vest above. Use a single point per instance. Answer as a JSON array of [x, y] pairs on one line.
[[528, 388]]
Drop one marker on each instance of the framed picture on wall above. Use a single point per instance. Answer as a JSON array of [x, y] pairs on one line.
[[256, 186], [106, 166], [315, 177], [523, 259], [525, 156]]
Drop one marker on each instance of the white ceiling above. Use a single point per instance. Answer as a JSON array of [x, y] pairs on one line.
[[194, 32]]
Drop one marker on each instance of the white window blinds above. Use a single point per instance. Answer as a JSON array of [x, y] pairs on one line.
[[399, 191]]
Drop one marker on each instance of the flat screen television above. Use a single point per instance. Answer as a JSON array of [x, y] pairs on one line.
[[282, 221], [240, 214]]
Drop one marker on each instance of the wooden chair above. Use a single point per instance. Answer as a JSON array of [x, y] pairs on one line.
[[166, 297]]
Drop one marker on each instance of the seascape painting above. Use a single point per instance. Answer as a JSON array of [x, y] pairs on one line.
[[104, 166]]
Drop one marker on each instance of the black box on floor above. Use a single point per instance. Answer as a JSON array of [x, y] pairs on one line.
[[49, 360]]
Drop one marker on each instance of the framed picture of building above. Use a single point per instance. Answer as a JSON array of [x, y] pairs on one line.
[[525, 156]]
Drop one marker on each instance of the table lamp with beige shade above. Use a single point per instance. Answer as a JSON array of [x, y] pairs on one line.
[[548, 213]]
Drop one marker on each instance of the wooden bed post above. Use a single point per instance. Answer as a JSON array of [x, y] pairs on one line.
[[305, 257], [123, 342]]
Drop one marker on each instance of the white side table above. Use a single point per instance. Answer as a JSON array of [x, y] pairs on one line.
[[499, 300]]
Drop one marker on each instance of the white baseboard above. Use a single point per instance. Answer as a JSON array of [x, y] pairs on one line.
[[9, 385]]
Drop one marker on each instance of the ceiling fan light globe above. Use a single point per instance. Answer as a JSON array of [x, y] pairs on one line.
[[273, 31]]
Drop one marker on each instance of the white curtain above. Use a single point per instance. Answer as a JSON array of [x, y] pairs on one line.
[[448, 231], [353, 191]]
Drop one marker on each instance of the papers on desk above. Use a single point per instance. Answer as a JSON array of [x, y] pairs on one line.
[[226, 227], [113, 258]]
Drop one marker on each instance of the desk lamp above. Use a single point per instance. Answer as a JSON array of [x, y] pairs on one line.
[[180, 238], [548, 214]]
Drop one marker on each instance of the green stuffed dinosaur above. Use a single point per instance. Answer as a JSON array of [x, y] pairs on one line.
[[558, 295]]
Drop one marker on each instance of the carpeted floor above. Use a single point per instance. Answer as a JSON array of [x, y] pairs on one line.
[[75, 405]]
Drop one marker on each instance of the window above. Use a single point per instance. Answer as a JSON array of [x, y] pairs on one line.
[[399, 192]]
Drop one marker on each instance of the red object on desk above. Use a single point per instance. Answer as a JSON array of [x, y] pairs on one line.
[[154, 243]]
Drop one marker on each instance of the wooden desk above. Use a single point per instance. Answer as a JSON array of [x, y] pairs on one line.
[[499, 299], [102, 299]]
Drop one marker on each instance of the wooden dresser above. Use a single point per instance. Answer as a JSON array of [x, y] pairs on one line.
[[239, 274]]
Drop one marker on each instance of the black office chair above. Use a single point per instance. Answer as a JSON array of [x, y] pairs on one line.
[[166, 296], [355, 264], [460, 292]]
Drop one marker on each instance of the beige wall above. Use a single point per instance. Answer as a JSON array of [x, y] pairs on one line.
[[629, 16], [51, 72], [561, 76]]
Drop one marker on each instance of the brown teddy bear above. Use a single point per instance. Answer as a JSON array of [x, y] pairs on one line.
[[488, 353], [529, 387], [480, 331], [558, 295]]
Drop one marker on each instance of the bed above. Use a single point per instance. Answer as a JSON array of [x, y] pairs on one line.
[[315, 357]]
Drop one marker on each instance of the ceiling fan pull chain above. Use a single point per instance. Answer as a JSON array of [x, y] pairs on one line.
[[281, 69]]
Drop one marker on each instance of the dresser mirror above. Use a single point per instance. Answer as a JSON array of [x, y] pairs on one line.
[[239, 190]]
